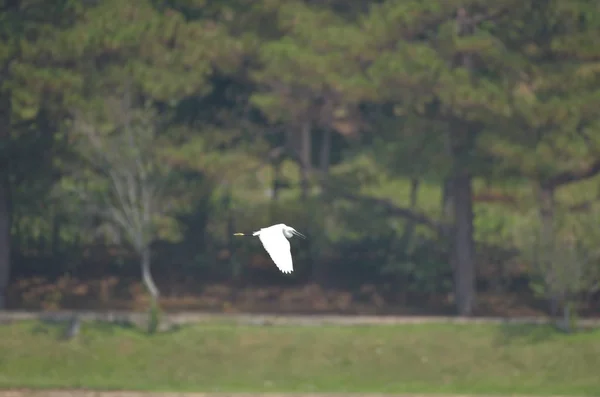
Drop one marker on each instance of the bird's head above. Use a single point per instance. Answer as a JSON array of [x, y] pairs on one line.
[[289, 232]]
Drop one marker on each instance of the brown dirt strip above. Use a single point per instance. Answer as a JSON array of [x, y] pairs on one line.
[[272, 319], [92, 393]]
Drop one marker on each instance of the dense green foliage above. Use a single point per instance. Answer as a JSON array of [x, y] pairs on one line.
[[443, 146], [419, 358]]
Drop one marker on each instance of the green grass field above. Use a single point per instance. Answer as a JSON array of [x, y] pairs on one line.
[[426, 358]]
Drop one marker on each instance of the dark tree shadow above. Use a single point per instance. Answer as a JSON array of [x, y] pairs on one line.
[[536, 333], [526, 333], [62, 328], [109, 328]]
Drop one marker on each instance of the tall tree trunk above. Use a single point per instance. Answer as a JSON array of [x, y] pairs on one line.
[[546, 247], [459, 188], [462, 196], [5, 198], [409, 230], [464, 247], [147, 275], [305, 158], [55, 237], [325, 154], [5, 243], [275, 191], [276, 181], [447, 206], [319, 267]]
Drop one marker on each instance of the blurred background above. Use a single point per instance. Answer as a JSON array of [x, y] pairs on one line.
[[441, 156]]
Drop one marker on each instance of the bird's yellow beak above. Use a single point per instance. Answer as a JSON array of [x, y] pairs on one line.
[[238, 234]]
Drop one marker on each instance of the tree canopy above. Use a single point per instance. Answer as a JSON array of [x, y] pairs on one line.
[[413, 139]]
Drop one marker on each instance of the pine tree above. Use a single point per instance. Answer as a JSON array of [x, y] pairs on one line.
[[33, 80], [446, 66], [553, 136]]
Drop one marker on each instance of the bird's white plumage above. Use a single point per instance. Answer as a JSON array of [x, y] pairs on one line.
[[275, 241], [278, 247]]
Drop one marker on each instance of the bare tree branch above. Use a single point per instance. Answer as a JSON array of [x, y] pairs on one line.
[[392, 209], [105, 166], [571, 176], [118, 147]]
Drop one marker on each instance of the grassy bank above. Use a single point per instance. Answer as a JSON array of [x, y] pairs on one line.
[[426, 358]]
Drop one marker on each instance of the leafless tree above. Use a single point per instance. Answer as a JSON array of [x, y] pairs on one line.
[[120, 178]]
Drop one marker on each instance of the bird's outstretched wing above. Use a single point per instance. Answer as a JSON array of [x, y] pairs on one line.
[[278, 248]]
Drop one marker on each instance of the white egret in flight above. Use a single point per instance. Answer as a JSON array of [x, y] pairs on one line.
[[274, 239]]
